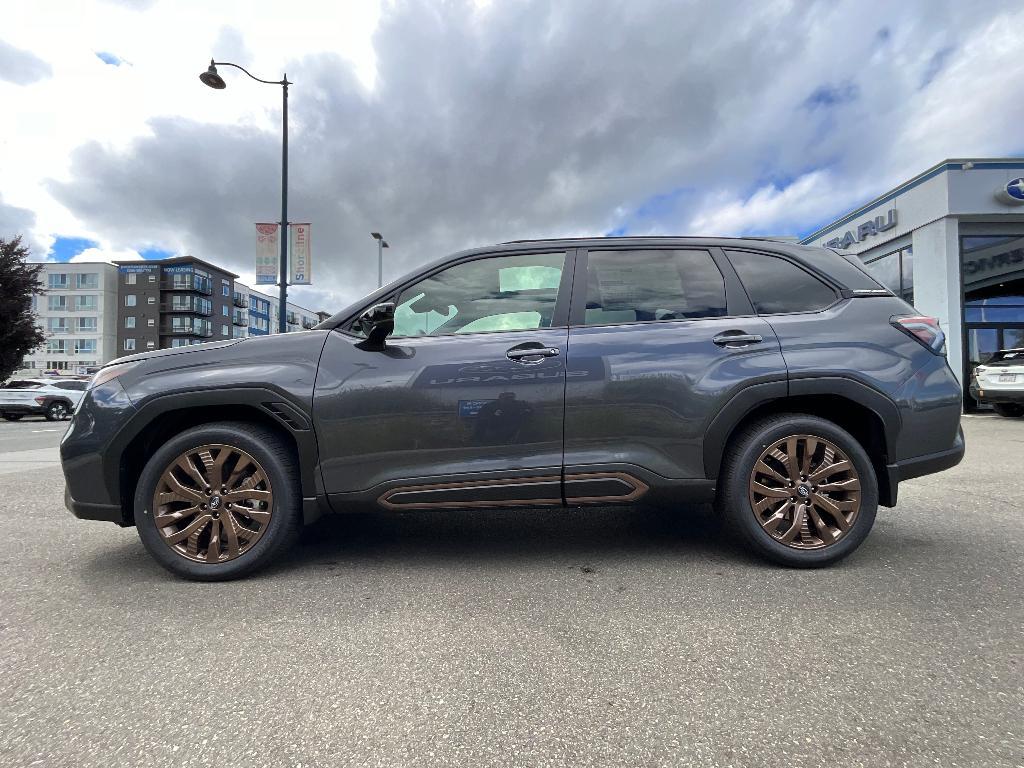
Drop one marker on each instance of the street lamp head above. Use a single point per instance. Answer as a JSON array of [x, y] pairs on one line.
[[384, 244], [212, 79], [376, 236]]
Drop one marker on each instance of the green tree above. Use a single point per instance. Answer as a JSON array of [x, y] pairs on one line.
[[19, 281]]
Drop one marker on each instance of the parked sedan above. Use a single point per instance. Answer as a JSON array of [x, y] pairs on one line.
[[1000, 382], [53, 398]]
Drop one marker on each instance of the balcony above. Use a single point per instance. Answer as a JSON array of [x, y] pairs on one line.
[[241, 301], [187, 283], [203, 331], [239, 319], [194, 306], [309, 324]]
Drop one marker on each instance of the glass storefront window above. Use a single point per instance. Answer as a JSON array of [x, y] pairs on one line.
[[895, 271]]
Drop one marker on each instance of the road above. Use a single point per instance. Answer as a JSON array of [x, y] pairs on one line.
[[601, 637]]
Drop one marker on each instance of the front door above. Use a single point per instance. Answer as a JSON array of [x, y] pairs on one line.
[[464, 405]]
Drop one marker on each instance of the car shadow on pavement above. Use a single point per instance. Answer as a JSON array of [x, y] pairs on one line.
[[486, 536]]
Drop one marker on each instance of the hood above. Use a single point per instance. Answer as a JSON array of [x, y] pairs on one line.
[[175, 351]]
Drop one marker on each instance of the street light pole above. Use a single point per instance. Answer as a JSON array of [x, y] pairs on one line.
[[213, 79], [381, 245]]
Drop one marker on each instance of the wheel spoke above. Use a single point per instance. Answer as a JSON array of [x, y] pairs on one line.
[[185, 463], [231, 534], [180, 489], [213, 548], [162, 521], [810, 446], [791, 467], [831, 469], [823, 531], [798, 523], [834, 510], [196, 526], [763, 468], [774, 493], [773, 521], [243, 464], [853, 484]]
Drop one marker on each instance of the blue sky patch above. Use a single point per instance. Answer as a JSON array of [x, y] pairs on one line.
[[108, 58], [155, 253], [64, 248], [832, 95]]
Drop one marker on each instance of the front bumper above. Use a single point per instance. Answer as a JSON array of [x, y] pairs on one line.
[[110, 513]]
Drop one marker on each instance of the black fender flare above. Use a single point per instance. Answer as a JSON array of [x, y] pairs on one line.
[[277, 406], [722, 426]]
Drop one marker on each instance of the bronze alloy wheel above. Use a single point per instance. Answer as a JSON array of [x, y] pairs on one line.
[[213, 503], [805, 492]]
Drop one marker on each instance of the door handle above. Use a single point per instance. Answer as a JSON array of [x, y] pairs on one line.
[[736, 339], [522, 353]]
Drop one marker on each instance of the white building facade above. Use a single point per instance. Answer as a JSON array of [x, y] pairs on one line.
[[951, 241], [78, 313]]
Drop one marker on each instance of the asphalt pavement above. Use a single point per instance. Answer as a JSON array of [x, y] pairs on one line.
[[570, 638]]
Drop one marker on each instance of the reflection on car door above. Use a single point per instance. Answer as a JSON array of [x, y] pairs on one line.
[[464, 406], [669, 350]]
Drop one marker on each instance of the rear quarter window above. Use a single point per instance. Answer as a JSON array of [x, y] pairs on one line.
[[777, 286]]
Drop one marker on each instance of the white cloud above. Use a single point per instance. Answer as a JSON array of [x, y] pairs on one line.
[[107, 255]]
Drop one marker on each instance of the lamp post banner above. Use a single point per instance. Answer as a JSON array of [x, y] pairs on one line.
[[301, 256], [266, 254]]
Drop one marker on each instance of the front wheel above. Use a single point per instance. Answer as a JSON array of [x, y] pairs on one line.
[[57, 411], [219, 501], [799, 490], [1010, 410], [12, 416]]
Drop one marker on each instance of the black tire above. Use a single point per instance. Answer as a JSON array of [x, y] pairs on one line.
[[58, 410], [12, 416], [735, 497], [1010, 410], [277, 460]]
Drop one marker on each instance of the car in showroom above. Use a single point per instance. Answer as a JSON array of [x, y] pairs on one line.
[[53, 398], [779, 381], [1000, 382]]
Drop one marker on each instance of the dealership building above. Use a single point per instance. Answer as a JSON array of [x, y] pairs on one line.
[[951, 241]]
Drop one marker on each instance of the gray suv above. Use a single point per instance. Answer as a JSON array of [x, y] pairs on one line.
[[778, 381]]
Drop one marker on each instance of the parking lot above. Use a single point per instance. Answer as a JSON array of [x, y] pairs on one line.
[[597, 637]]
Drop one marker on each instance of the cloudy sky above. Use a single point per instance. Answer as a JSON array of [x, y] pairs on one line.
[[451, 124]]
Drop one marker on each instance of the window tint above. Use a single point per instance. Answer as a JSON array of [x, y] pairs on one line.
[[501, 293], [846, 270], [632, 286], [76, 386], [776, 286]]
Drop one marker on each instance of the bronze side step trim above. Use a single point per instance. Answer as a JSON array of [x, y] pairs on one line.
[[511, 492], [597, 487]]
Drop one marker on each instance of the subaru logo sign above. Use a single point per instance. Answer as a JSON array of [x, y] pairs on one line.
[[1012, 192]]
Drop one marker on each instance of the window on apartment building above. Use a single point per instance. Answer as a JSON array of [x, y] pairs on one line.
[[129, 322], [151, 322], [150, 344], [87, 280], [224, 330], [56, 280], [85, 347], [152, 278], [57, 324], [151, 300], [85, 303], [224, 310], [225, 289], [57, 303], [130, 300], [130, 278], [56, 347], [87, 324], [129, 345]]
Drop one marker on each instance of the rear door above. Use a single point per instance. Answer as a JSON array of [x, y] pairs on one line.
[[659, 340]]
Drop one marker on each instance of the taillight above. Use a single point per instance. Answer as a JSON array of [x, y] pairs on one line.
[[41, 400], [924, 329]]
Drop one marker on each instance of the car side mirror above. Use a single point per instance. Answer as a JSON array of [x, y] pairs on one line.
[[377, 323]]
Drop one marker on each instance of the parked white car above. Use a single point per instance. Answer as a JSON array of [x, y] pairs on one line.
[[1000, 382], [53, 398]]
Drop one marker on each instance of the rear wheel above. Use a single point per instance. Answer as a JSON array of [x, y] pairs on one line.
[[799, 490], [57, 411], [219, 501], [12, 416], [1008, 409]]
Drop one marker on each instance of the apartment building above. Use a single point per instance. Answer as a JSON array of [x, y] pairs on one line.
[[78, 313], [263, 316]]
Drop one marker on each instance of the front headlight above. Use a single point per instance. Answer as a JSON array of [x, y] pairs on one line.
[[103, 375]]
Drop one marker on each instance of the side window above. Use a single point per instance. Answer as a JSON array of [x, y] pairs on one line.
[[77, 386], [632, 286], [500, 293], [777, 286]]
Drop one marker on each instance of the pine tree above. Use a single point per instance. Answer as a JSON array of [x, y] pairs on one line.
[[19, 282]]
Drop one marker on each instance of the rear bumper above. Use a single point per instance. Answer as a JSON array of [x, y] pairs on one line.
[[985, 395], [928, 464]]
